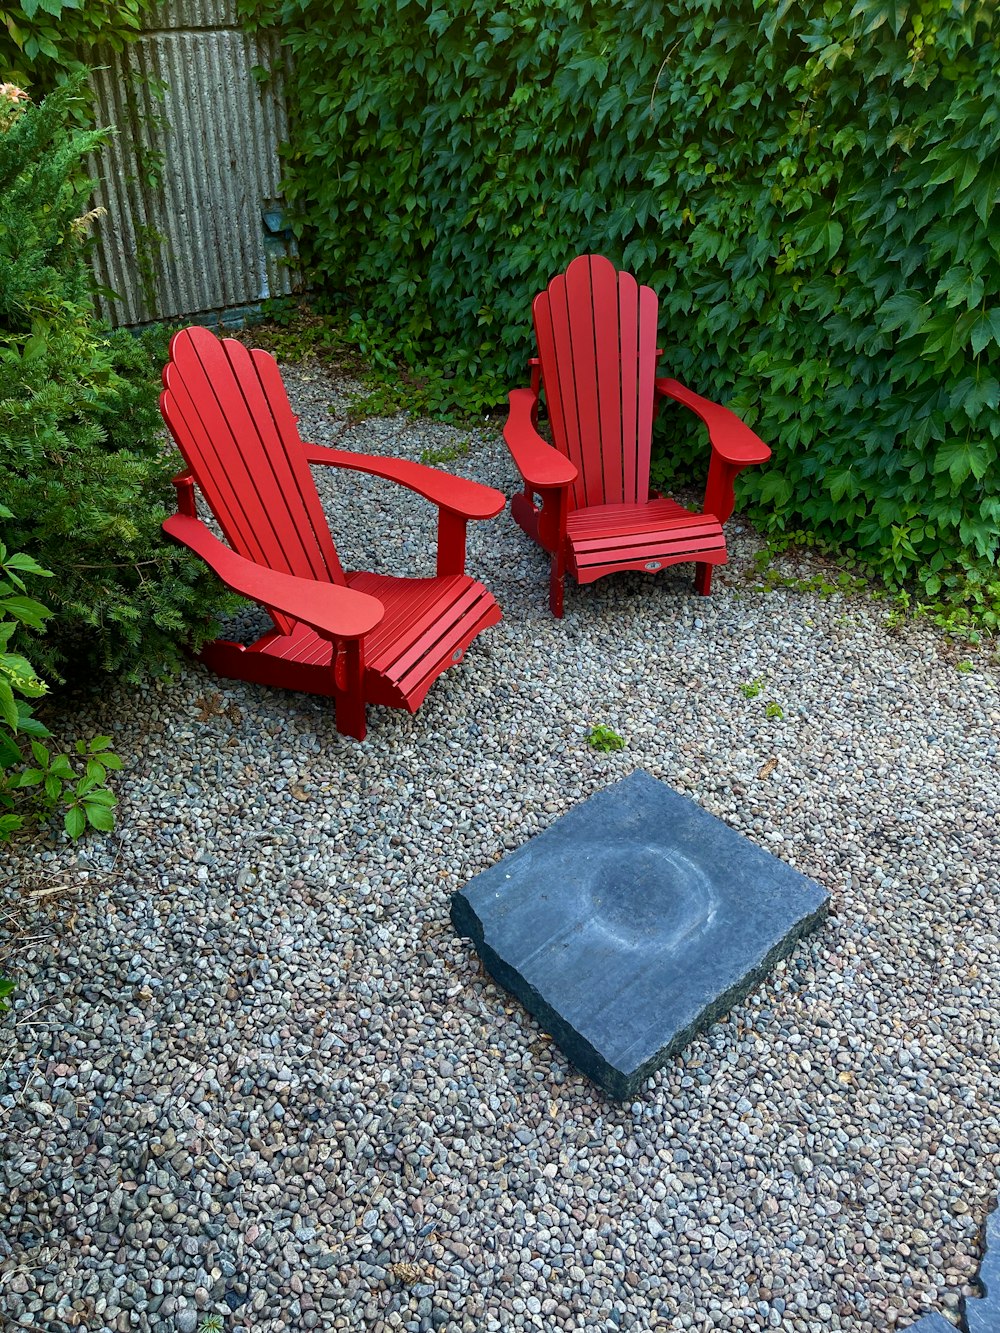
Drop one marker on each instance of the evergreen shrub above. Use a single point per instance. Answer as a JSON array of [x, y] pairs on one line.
[[84, 466], [811, 188]]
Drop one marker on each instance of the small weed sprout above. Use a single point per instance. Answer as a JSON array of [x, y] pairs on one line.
[[751, 688], [445, 453], [964, 666], [774, 710], [604, 739], [211, 1323]]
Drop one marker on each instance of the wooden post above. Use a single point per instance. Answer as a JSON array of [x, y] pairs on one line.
[[451, 543], [349, 669]]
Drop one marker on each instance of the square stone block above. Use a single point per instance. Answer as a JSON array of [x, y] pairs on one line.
[[632, 923]]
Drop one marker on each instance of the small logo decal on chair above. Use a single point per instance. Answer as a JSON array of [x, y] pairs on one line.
[[457, 655], [654, 564]]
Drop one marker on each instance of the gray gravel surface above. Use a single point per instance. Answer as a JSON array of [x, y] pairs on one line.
[[251, 1071]]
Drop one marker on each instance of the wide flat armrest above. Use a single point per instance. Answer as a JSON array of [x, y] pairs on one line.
[[329, 608], [730, 436], [539, 464], [456, 494]]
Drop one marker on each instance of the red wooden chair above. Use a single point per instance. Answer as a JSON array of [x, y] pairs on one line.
[[362, 638], [596, 335]]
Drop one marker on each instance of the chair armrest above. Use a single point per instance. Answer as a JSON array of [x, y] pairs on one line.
[[539, 464], [331, 610], [456, 494], [730, 436]]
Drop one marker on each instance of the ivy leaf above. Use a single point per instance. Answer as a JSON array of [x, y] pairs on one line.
[[986, 329], [973, 395], [10, 753], [959, 286], [906, 312], [23, 562], [75, 821], [29, 725], [100, 816], [984, 191], [62, 768], [101, 797], [438, 21], [776, 490], [841, 483], [27, 610], [960, 458], [8, 708]]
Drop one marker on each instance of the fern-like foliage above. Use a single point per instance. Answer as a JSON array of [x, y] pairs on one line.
[[84, 468]]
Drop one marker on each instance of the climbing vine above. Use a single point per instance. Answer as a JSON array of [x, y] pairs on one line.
[[811, 187], [41, 41]]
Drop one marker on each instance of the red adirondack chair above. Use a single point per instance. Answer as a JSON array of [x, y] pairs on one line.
[[596, 335], [361, 638]]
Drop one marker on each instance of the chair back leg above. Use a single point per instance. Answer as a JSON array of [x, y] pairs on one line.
[[703, 579]]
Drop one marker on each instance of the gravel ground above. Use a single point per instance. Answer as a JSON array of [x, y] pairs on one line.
[[251, 1071]]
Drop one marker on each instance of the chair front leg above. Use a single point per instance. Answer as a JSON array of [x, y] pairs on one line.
[[451, 543], [547, 526], [348, 678], [552, 535], [719, 500], [552, 519], [719, 494]]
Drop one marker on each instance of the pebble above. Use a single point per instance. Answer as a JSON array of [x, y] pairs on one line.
[[250, 1071]]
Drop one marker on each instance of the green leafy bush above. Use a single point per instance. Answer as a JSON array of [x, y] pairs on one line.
[[83, 461], [810, 187], [34, 780]]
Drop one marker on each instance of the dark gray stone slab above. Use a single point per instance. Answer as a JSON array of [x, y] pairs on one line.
[[631, 924], [983, 1316], [980, 1315]]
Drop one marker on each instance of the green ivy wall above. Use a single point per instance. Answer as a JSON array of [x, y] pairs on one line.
[[811, 187]]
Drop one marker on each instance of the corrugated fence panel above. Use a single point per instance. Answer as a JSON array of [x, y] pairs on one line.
[[187, 179], [192, 14]]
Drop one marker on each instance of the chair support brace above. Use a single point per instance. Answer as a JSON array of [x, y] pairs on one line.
[[451, 542]]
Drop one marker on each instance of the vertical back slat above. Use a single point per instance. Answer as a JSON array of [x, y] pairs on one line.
[[648, 314], [581, 300], [267, 399], [243, 437], [204, 438], [559, 380], [628, 320], [608, 375], [230, 415], [596, 332]]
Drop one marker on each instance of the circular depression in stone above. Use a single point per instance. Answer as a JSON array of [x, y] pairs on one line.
[[645, 897]]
